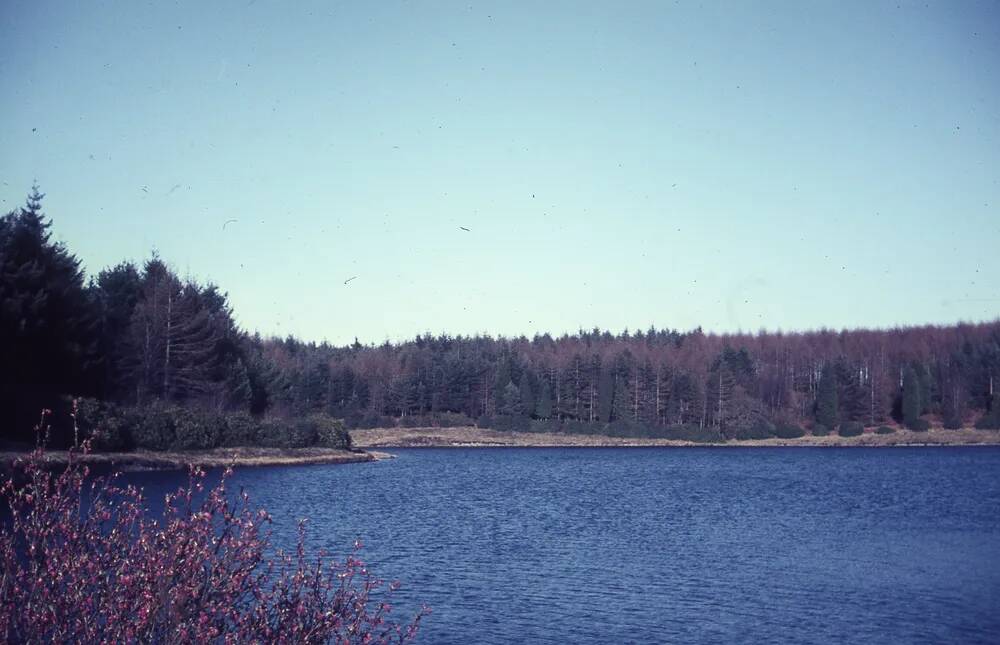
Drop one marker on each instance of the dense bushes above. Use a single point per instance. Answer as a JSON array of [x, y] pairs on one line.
[[620, 429], [788, 431], [884, 430], [160, 427], [820, 430], [760, 430], [918, 425], [991, 420], [851, 429], [84, 565]]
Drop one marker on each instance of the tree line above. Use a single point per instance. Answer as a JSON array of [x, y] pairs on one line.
[[143, 338]]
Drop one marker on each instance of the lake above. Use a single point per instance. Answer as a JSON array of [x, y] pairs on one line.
[[650, 545]]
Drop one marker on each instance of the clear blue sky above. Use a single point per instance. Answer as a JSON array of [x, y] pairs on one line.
[[733, 165]]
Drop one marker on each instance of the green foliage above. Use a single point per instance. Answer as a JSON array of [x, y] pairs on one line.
[[691, 432], [912, 405], [451, 420], [196, 429], [788, 431], [991, 420], [851, 429], [884, 430], [510, 403], [605, 395], [543, 404], [240, 430], [760, 430], [920, 425], [526, 394], [623, 428], [826, 398], [152, 428], [515, 423], [330, 432], [550, 426], [102, 423], [820, 430], [48, 344]]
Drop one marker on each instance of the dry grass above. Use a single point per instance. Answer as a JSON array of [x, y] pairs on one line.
[[218, 457], [483, 438]]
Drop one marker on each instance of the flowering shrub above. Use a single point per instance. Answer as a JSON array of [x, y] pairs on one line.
[[83, 562]]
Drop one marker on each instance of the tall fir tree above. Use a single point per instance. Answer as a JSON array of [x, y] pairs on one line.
[[48, 325], [911, 406], [543, 403], [827, 405]]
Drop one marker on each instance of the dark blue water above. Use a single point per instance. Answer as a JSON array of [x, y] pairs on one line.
[[667, 545]]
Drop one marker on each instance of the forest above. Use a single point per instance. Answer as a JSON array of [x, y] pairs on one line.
[[157, 361]]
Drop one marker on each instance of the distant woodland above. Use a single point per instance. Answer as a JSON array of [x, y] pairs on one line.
[[158, 362]]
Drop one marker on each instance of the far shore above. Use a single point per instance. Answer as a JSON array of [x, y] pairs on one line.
[[215, 458], [472, 437]]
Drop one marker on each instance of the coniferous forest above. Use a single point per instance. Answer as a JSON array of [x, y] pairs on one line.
[[157, 361]]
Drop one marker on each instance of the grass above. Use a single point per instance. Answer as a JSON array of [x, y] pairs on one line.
[[483, 438], [214, 458]]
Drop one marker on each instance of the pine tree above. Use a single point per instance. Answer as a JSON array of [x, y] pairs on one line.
[[510, 401], [912, 405], [173, 338], [527, 393], [605, 395], [827, 413], [622, 406], [48, 335], [543, 404]]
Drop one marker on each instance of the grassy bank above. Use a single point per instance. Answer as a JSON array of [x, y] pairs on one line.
[[214, 458], [478, 437]]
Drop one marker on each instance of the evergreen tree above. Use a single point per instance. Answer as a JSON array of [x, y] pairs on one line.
[[527, 393], [510, 400], [621, 404], [605, 395], [827, 413], [115, 292], [911, 405], [719, 389], [927, 387], [48, 337], [543, 404]]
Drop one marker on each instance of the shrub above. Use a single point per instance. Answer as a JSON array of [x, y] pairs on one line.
[[990, 420], [820, 430], [203, 573], [103, 424], [239, 430], [331, 433], [413, 421], [851, 429], [884, 430], [788, 431], [690, 432], [578, 427], [196, 429], [623, 428], [289, 433], [919, 425], [547, 426], [512, 423], [152, 428], [759, 430], [451, 420]]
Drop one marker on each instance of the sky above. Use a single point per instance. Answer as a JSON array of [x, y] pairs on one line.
[[732, 165]]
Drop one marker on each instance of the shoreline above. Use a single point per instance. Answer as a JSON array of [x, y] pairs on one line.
[[215, 458], [471, 437]]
